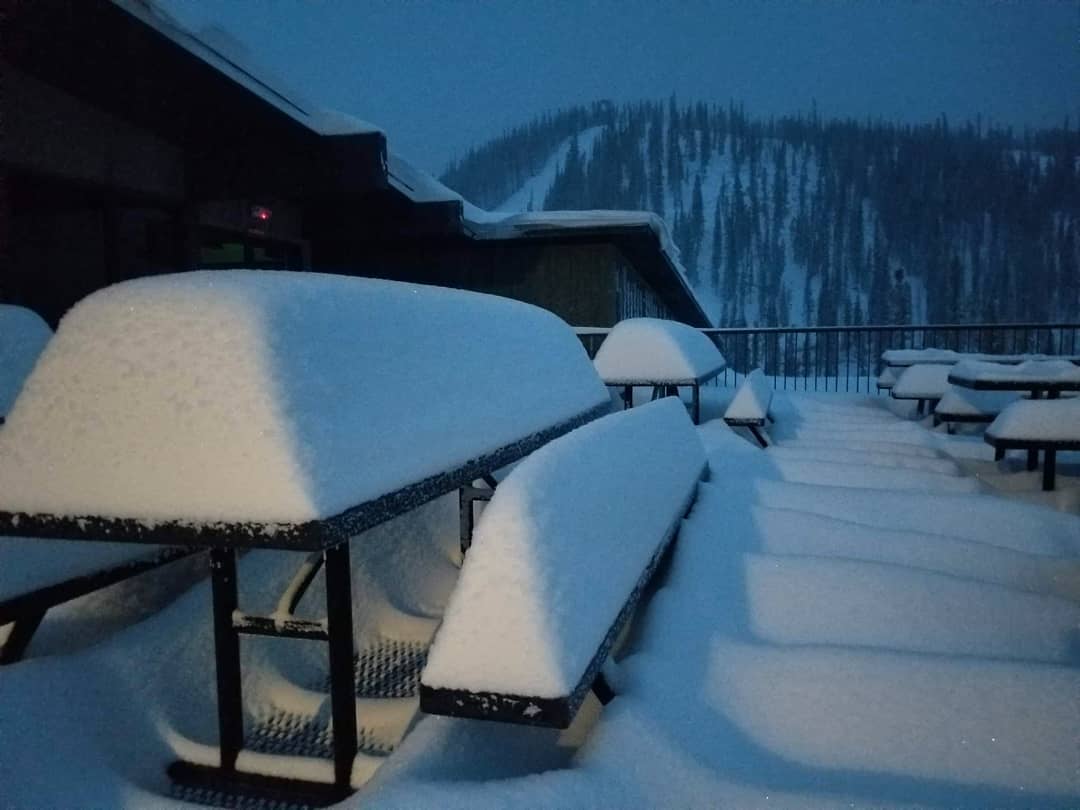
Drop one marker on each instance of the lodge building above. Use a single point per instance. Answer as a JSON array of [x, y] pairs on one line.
[[131, 146]]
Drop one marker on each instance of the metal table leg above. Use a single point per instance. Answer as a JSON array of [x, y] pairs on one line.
[[342, 686], [227, 656], [1049, 468]]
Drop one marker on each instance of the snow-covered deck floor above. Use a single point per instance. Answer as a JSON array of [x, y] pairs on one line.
[[853, 617]]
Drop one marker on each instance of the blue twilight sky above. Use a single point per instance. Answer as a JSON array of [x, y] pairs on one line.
[[441, 76]]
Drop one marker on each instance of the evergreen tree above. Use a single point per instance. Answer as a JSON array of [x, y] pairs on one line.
[[656, 163]]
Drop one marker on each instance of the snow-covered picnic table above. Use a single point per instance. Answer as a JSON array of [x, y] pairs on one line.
[[290, 411], [1035, 425], [661, 354], [1034, 376]]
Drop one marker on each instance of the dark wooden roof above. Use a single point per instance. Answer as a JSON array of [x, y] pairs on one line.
[[236, 138]]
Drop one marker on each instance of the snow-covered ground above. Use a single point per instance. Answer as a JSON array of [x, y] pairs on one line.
[[855, 616]]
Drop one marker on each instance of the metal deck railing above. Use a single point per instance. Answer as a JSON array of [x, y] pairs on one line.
[[846, 358]]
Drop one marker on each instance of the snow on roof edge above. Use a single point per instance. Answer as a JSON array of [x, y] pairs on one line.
[[319, 120], [490, 225]]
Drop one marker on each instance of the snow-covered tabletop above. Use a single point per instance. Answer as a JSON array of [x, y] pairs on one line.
[[651, 351], [275, 401], [1056, 421], [1052, 376], [899, 358]]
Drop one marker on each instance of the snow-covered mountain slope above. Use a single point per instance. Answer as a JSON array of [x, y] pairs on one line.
[[797, 221]]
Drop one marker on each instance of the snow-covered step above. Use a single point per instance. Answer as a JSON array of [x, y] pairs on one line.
[[869, 476], [868, 446], [842, 455], [981, 518], [954, 721], [855, 603]]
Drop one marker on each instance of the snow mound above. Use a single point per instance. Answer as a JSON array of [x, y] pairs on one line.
[[1038, 420], [23, 335], [651, 350], [560, 548], [278, 397]]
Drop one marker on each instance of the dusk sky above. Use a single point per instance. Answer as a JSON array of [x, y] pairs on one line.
[[440, 77]]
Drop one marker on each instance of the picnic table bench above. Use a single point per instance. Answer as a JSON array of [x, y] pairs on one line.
[[35, 578], [286, 443], [662, 355], [926, 383], [38, 576], [530, 624], [750, 407], [965, 406]]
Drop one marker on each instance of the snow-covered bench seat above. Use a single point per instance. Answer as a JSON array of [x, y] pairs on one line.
[[886, 379], [1034, 425], [965, 405], [749, 407], [924, 382], [291, 411], [663, 355], [36, 575], [560, 559]]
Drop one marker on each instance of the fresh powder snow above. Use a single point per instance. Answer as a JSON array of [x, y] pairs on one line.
[[531, 607], [651, 350], [278, 397]]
